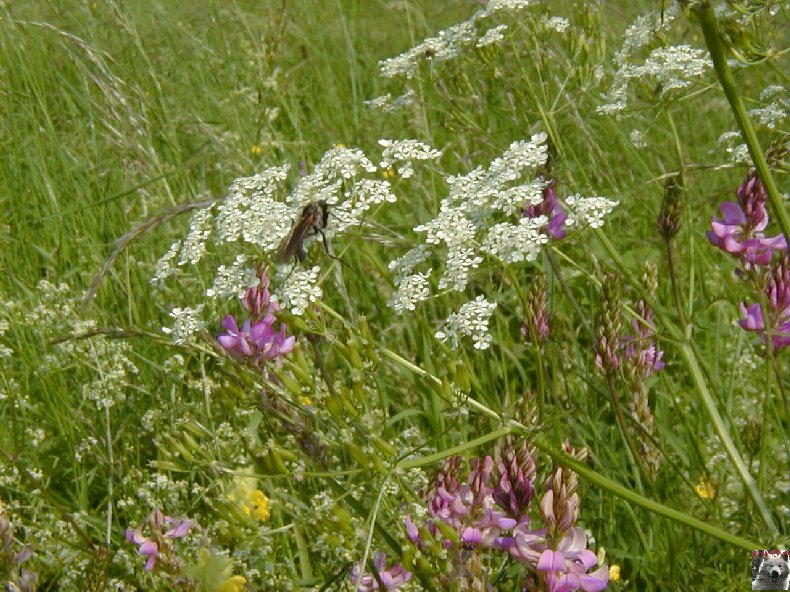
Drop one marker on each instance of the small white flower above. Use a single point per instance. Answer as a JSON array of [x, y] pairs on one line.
[[517, 242], [194, 246], [590, 210], [471, 320], [299, 290], [232, 280], [396, 151], [492, 36], [165, 266], [637, 138], [403, 265], [186, 322], [557, 23], [411, 290], [389, 104]]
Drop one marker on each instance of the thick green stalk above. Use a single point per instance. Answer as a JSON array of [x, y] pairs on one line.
[[710, 28]]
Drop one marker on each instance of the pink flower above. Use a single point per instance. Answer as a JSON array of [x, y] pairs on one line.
[[150, 547], [392, 577], [740, 230]]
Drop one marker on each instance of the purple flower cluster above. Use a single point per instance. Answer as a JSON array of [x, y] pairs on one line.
[[491, 510], [551, 208], [741, 232], [641, 350], [257, 338], [158, 546], [393, 577]]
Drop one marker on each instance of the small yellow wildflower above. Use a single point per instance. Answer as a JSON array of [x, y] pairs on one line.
[[262, 505], [340, 145], [255, 150], [233, 584], [614, 572], [305, 401], [705, 488], [387, 173]]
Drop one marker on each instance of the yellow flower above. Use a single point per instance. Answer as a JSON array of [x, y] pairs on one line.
[[387, 173], [255, 150], [705, 488], [340, 145], [233, 584], [262, 505], [305, 401], [614, 572]]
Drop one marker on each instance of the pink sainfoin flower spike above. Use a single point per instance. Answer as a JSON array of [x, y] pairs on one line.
[[392, 577], [257, 338], [777, 294], [740, 230], [551, 208], [158, 545], [641, 348]]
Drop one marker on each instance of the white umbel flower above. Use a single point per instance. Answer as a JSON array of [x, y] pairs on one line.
[[299, 290], [589, 211], [186, 322], [232, 280], [412, 289], [471, 320]]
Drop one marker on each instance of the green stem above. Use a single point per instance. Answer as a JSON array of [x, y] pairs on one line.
[[432, 458], [304, 555], [618, 413], [710, 28]]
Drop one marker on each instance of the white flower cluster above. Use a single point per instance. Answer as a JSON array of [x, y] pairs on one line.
[[776, 111], [194, 245], [389, 104], [251, 211], [492, 36], [736, 148], [471, 320], [299, 290], [451, 42], [477, 196], [517, 242], [254, 213], [5, 352], [673, 67], [405, 151], [556, 23], [412, 289], [186, 322], [232, 280], [589, 211]]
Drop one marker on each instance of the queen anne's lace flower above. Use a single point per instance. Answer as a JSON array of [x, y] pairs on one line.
[[517, 242], [232, 280], [471, 320], [194, 246]]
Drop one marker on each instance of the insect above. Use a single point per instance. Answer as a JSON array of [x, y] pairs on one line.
[[311, 221]]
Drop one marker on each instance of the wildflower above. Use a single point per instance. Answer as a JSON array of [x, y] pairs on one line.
[[641, 350], [589, 211], [514, 489], [471, 320], [393, 577], [411, 290], [614, 572], [158, 546], [551, 208], [299, 290], [705, 488], [671, 208], [258, 341], [564, 568], [233, 584], [777, 294], [256, 150], [538, 311], [186, 322], [740, 230], [607, 344], [466, 507]]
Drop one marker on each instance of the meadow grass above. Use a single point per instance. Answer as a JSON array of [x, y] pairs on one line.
[[115, 113]]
